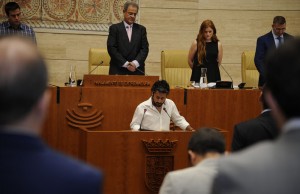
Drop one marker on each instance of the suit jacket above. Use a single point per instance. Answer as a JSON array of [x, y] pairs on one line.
[[28, 166], [268, 167], [264, 44], [121, 50], [252, 131], [193, 180]]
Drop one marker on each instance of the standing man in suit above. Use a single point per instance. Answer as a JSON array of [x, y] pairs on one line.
[[27, 165], [204, 148], [273, 166], [127, 44], [13, 25], [268, 42], [254, 130]]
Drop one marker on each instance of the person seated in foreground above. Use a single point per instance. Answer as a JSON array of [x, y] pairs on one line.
[[204, 148], [271, 166], [27, 164], [249, 132]]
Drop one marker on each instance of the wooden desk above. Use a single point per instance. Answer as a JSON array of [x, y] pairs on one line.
[[126, 162], [221, 108], [106, 109], [128, 165], [72, 109]]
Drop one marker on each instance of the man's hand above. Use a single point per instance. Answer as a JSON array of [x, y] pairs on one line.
[[131, 67], [189, 128]]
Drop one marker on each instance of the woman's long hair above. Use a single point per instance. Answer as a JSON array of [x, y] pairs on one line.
[[201, 42]]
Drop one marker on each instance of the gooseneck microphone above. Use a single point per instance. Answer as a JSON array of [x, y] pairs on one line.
[[228, 75], [169, 117], [101, 62], [166, 111], [140, 71], [145, 110]]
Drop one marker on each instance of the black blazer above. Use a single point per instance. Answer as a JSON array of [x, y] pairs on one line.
[[249, 132], [121, 50], [264, 44], [28, 166]]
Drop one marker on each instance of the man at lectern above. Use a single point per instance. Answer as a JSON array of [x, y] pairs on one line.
[[156, 113], [127, 44]]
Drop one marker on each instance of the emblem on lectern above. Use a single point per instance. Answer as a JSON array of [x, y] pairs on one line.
[[85, 117], [159, 162]]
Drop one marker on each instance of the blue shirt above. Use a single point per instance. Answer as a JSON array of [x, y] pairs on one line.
[[23, 30]]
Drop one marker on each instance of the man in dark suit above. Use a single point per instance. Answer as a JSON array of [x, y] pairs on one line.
[[127, 44], [271, 166], [27, 165], [255, 130], [268, 42]]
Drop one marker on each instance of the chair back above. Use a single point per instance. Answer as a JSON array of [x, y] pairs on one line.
[[96, 55], [249, 72], [175, 68]]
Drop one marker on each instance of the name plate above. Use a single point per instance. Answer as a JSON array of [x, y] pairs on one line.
[[137, 81]]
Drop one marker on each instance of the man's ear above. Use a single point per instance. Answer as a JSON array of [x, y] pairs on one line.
[[260, 97], [43, 104], [192, 156]]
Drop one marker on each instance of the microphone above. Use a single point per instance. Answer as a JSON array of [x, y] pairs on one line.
[[101, 62], [166, 111], [225, 84], [145, 110], [173, 128], [140, 71]]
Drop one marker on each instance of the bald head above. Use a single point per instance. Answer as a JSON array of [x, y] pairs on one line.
[[15, 54], [23, 78]]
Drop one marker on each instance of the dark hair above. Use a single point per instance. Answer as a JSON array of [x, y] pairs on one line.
[[279, 20], [161, 86], [207, 140], [130, 3], [282, 77], [21, 90], [11, 6]]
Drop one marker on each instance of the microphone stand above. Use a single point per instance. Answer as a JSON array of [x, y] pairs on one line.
[[145, 110], [228, 75], [101, 62], [172, 128], [140, 71]]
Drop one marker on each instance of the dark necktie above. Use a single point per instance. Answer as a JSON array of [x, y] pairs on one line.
[[279, 40]]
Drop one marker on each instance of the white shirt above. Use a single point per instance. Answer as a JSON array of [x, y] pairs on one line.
[[155, 120]]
